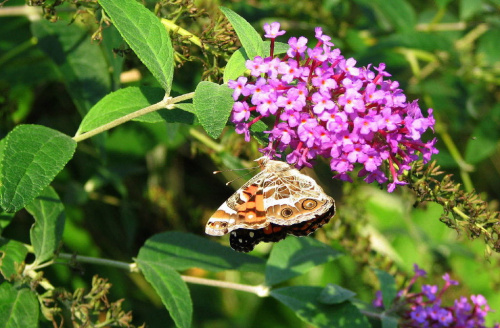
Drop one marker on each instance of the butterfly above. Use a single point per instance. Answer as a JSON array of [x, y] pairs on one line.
[[277, 201]]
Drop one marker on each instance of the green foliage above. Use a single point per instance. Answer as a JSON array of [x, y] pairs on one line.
[[18, 306], [295, 256], [307, 304], [130, 203], [213, 104], [146, 35], [46, 234], [33, 155]]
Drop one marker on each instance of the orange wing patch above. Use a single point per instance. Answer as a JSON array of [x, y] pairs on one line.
[[251, 209]]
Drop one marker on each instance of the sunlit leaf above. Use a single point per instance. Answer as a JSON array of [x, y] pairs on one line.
[[146, 35], [213, 104], [250, 39], [33, 156]]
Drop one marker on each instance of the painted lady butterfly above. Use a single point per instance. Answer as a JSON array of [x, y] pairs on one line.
[[277, 201]]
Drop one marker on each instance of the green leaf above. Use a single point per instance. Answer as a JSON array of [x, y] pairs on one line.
[[146, 35], [387, 287], [46, 233], [12, 254], [18, 307], [183, 251], [397, 13], [169, 285], [213, 104], [120, 103], [250, 39], [295, 256], [334, 294], [485, 138], [81, 63], [33, 156], [236, 65], [257, 129], [303, 300]]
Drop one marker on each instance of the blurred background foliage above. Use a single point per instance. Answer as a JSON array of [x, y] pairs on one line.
[[139, 179]]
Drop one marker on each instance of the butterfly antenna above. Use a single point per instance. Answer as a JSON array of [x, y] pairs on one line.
[[241, 176], [250, 169]]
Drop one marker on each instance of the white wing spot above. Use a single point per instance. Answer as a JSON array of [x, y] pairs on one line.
[[251, 234], [240, 240]]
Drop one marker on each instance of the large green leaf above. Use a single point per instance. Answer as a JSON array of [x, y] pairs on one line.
[[46, 233], [81, 63], [304, 301], [295, 256], [120, 103], [169, 285], [146, 35], [183, 251], [33, 156], [12, 255], [213, 104], [249, 38], [18, 307]]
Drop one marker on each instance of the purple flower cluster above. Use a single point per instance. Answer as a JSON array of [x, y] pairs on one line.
[[326, 106], [424, 309]]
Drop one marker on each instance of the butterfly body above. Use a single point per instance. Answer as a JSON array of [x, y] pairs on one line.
[[277, 201]]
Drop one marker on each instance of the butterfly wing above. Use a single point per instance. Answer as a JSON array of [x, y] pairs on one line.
[[291, 197], [244, 209]]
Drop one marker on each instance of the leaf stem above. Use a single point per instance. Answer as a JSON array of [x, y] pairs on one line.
[[95, 260], [259, 290], [167, 103]]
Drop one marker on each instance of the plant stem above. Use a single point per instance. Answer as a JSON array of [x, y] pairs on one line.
[[167, 103], [96, 260], [259, 290]]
